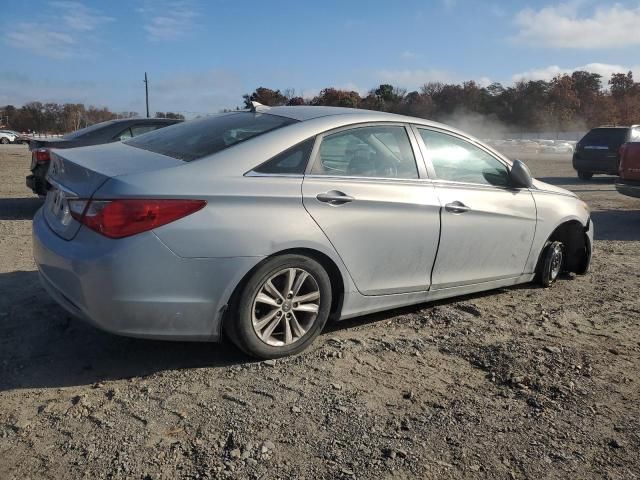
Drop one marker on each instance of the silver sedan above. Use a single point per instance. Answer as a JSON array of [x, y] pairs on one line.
[[263, 224]]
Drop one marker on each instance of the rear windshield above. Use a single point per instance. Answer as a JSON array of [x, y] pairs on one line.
[[198, 138], [605, 137]]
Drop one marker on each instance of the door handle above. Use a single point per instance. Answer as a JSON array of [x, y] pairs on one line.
[[334, 197], [456, 207]]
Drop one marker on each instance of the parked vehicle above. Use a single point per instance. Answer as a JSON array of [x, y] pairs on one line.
[[100, 133], [599, 151], [629, 181], [8, 136], [263, 224]]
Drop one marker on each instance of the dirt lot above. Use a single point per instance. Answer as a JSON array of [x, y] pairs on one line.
[[516, 383]]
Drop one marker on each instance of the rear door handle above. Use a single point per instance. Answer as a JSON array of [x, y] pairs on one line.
[[456, 207], [334, 197]]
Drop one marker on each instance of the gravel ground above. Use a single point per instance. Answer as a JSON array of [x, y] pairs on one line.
[[522, 382]]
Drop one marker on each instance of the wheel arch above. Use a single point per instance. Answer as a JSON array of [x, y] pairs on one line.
[[573, 235], [336, 278]]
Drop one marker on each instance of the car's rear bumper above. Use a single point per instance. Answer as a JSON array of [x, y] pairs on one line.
[[136, 286], [629, 188]]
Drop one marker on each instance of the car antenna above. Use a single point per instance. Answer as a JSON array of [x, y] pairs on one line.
[[257, 105]]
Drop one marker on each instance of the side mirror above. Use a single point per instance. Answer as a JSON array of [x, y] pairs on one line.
[[520, 176]]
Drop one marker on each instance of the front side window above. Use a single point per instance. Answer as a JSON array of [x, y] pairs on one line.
[[457, 160], [198, 138], [378, 151]]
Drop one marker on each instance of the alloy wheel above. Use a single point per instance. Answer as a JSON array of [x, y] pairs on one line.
[[285, 307]]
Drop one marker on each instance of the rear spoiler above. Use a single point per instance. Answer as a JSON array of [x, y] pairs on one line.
[[35, 144]]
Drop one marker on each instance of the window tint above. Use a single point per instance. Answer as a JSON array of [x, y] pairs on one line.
[[140, 129], [459, 161], [291, 161], [383, 152], [198, 138]]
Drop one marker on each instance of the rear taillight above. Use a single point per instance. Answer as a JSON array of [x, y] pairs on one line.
[[41, 155], [123, 218]]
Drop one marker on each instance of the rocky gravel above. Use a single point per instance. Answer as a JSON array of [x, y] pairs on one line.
[[523, 382]]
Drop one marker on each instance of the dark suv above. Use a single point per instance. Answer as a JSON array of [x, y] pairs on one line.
[[599, 151], [105, 132]]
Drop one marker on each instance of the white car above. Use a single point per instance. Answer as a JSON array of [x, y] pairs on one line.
[[8, 136]]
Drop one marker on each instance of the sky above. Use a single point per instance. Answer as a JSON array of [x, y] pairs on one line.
[[203, 55]]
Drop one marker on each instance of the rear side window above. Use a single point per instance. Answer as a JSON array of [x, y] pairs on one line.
[[377, 151], [198, 138], [291, 161]]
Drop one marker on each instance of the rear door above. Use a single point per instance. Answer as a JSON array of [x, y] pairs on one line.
[[364, 190], [487, 227]]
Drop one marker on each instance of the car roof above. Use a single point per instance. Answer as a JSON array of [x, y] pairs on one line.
[[304, 113]]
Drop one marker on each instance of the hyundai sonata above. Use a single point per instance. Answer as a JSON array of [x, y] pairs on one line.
[[263, 224]]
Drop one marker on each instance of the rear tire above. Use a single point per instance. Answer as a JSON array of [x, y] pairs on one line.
[[4, 140], [582, 175], [551, 264], [281, 309]]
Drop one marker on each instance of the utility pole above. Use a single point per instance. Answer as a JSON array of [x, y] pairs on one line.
[[146, 92]]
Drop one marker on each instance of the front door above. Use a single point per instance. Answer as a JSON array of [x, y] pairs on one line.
[[365, 193], [487, 226]]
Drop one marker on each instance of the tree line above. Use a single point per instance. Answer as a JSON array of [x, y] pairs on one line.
[[567, 102], [61, 118]]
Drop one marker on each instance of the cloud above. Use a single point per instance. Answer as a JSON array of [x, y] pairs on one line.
[[613, 26], [41, 40], [79, 17], [169, 20], [412, 79], [409, 55], [61, 31], [548, 73]]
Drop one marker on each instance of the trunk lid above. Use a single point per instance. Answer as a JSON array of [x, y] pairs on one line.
[[79, 172]]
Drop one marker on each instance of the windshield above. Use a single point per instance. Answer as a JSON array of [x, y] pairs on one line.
[[198, 138], [86, 130]]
